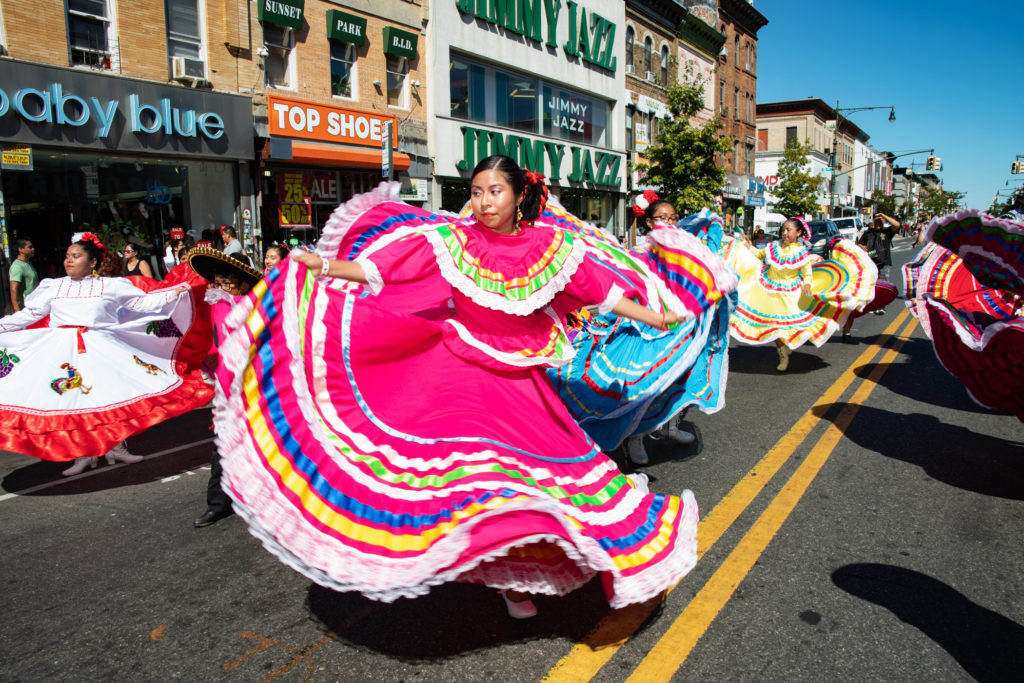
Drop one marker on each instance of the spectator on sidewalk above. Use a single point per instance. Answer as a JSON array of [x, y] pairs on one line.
[[23, 275], [233, 247]]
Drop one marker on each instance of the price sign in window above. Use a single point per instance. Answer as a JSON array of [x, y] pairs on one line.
[[293, 194]]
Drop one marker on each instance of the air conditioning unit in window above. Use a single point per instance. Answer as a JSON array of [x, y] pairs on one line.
[[185, 69], [724, 54], [631, 69], [649, 75]]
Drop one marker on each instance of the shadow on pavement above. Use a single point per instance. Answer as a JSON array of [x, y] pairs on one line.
[[985, 643], [661, 450], [924, 379], [761, 360], [190, 427], [103, 477], [456, 619], [948, 453]]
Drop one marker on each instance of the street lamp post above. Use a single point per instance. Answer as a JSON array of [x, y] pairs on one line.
[[835, 143]]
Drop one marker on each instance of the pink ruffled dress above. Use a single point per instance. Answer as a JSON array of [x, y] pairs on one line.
[[395, 436]]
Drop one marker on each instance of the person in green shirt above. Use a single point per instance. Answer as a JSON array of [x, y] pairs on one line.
[[24, 277]]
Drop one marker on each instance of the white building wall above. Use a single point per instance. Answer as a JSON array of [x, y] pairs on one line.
[[701, 69], [766, 168]]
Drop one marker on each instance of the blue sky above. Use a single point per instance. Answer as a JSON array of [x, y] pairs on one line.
[[951, 69]]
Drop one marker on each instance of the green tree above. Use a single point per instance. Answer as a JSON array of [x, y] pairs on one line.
[[883, 203], [682, 160], [937, 202], [796, 193]]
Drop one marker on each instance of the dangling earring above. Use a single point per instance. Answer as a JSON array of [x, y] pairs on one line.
[[94, 273], [519, 214]]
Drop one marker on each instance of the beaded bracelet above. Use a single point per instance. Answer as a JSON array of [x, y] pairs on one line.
[[325, 266]]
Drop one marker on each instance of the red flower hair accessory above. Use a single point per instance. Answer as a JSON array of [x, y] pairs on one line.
[[89, 237], [641, 203], [538, 179]]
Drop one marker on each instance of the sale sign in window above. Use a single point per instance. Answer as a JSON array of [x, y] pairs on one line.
[[293, 200]]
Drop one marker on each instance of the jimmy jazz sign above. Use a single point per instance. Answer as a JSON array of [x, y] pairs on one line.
[[591, 37], [542, 156]]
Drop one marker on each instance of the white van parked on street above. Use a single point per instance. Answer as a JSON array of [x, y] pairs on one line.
[[849, 226]]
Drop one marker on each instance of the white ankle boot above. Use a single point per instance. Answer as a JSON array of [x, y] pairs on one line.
[[635, 450], [81, 465], [119, 453], [680, 436], [783, 358]]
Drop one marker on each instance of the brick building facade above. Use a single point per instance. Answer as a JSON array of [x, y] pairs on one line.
[[737, 102]]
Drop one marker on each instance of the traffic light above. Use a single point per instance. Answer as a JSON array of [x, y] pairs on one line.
[[1017, 167], [937, 161], [929, 164]]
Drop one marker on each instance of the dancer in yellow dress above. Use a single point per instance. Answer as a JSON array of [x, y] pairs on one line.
[[790, 296]]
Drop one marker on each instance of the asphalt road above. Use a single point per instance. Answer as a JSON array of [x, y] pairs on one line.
[[861, 520]]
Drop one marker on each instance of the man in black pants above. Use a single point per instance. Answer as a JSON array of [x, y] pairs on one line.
[[236, 279], [877, 240]]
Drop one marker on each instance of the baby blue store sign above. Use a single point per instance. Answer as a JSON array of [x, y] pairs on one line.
[[43, 105]]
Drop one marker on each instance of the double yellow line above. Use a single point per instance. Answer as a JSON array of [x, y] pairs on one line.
[[587, 658]]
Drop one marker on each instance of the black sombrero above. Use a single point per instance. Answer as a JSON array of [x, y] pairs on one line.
[[209, 263]]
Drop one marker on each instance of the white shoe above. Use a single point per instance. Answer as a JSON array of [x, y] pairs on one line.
[[783, 358], [636, 451], [81, 465], [119, 453], [680, 436], [522, 609]]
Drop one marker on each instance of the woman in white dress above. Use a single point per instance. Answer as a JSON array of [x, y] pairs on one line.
[[105, 367]]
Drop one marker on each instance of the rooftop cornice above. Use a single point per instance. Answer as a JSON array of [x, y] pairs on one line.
[[668, 13], [703, 37], [744, 13]]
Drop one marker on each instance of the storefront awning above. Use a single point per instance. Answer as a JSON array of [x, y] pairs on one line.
[[281, 12], [399, 42], [344, 155], [649, 105], [346, 27]]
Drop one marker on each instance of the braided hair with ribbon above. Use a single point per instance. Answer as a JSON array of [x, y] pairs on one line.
[[801, 223]]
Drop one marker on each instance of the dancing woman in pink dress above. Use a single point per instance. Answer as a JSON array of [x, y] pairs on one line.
[[381, 445]]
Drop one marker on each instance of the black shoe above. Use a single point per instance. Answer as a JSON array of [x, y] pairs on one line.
[[847, 339], [211, 517], [880, 311]]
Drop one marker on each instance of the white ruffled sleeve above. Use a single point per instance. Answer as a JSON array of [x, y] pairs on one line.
[[37, 307], [138, 306]]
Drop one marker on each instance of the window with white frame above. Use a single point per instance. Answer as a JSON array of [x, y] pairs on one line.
[[398, 77], [664, 65], [343, 69], [91, 33], [630, 144], [185, 37], [647, 56], [279, 62], [629, 47]]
